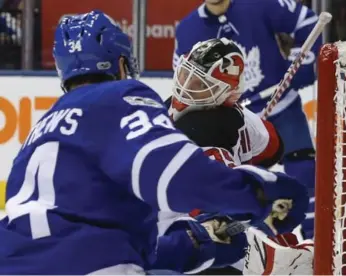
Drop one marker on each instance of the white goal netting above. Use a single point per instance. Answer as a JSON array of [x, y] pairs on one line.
[[339, 164]]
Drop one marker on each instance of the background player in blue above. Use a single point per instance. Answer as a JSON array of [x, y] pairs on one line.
[[256, 26], [102, 173]]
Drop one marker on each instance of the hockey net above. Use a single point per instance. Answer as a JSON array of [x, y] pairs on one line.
[[330, 200]]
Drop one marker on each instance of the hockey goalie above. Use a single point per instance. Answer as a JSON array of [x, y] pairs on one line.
[[204, 106]]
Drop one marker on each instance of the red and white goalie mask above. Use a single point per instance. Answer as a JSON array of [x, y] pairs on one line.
[[210, 74]]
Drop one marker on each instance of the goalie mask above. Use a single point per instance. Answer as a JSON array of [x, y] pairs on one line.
[[210, 74]]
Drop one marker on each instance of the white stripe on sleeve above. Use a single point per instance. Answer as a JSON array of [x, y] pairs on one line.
[[176, 163], [308, 21], [145, 151], [303, 21]]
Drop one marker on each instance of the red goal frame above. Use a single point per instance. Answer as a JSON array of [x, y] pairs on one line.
[[325, 163]]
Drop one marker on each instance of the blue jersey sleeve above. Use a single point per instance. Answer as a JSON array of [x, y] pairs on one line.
[[288, 16], [182, 43], [139, 149], [186, 36], [189, 258]]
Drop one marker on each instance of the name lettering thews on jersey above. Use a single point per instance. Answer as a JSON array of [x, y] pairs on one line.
[[66, 121]]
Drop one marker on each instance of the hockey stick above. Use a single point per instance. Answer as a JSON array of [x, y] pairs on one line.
[[323, 19], [259, 96]]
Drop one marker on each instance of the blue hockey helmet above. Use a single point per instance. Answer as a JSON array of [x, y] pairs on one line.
[[91, 43]]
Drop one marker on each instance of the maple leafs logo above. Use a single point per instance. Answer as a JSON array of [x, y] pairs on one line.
[[252, 74]]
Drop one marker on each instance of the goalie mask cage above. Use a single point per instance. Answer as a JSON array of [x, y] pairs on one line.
[[330, 197]]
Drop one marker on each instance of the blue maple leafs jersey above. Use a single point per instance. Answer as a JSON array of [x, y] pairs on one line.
[[252, 24], [101, 176]]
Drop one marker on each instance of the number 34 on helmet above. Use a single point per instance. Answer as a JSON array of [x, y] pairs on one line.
[[211, 74], [91, 43]]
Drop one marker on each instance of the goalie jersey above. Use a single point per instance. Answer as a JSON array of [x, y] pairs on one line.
[[98, 179], [253, 25], [229, 133]]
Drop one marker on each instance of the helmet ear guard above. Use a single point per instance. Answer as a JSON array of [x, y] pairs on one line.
[[131, 62]]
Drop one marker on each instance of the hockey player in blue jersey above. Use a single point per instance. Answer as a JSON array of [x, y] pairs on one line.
[[256, 26], [104, 172]]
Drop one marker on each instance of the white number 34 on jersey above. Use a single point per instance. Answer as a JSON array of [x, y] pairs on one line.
[[139, 123]]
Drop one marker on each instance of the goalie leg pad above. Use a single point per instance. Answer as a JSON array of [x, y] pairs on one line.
[[283, 256]]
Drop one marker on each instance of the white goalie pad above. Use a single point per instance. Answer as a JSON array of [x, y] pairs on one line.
[[280, 256]]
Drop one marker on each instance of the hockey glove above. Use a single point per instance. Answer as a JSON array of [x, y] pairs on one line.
[[199, 244], [227, 249], [285, 43], [284, 200]]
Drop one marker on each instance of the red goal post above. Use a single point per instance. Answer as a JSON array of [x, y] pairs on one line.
[[330, 197]]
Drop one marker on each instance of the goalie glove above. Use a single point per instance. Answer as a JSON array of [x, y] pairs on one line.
[[282, 256]]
